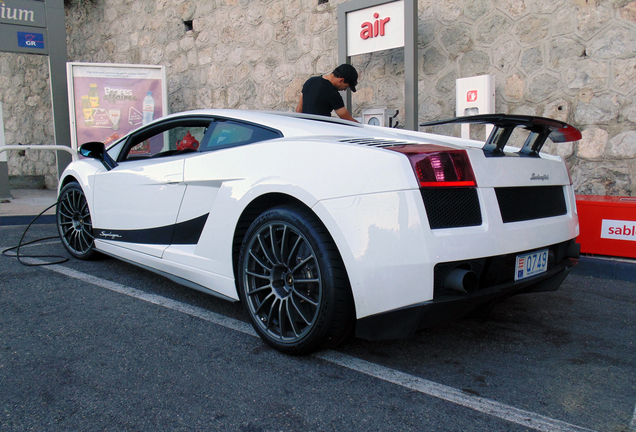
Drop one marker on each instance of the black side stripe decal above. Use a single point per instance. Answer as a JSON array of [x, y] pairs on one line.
[[188, 232], [183, 233]]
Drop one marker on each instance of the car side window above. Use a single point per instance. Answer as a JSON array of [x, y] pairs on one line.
[[228, 133], [166, 140]]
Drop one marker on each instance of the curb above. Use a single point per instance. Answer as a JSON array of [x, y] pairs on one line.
[[25, 220], [604, 268]]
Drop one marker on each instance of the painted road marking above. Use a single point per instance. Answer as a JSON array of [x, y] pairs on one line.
[[450, 394]]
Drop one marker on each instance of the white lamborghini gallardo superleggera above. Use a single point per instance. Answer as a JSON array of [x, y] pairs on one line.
[[325, 228]]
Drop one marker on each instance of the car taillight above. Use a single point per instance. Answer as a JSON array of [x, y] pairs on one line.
[[439, 166]]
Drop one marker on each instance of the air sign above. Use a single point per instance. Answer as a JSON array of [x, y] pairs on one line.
[[375, 28]]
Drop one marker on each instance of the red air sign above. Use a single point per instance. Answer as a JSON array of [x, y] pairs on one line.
[[376, 29]]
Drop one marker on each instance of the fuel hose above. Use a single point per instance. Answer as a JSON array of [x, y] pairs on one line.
[[52, 259]]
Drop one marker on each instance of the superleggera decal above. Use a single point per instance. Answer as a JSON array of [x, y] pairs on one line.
[[108, 235], [187, 232]]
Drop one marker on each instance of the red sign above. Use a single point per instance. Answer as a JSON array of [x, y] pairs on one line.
[[375, 28], [471, 96], [608, 225]]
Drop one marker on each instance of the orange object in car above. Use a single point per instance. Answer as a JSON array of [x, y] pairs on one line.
[[188, 142]]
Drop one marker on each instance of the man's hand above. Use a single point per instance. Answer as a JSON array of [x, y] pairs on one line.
[[344, 114]]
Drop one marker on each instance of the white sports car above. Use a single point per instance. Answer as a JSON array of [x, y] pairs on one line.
[[325, 228]]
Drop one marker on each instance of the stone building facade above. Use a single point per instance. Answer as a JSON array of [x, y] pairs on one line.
[[573, 60]]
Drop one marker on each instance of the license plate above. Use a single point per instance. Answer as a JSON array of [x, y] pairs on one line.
[[531, 264]]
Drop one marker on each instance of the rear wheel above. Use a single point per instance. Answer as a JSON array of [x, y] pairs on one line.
[[74, 222], [293, 283]]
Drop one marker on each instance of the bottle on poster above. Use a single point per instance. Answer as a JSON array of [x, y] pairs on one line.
[[88, 111], [93, 96], [148, 108]]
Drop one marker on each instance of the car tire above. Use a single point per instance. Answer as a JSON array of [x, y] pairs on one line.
[[293, 283], [74, 222]]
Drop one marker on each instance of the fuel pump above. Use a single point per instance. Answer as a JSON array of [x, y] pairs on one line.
[[380, 117]]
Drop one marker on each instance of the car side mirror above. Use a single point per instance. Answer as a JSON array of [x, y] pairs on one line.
[[97, 150]]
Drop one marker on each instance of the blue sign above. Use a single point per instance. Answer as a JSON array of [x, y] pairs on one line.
[[31, 40]]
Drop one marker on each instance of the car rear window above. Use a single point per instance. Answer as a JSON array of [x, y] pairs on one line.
[[228, 133]]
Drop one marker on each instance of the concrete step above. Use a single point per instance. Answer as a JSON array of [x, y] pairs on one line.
[[27, 182]]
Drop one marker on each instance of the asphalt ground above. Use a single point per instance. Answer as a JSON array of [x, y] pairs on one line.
[[103, 345]]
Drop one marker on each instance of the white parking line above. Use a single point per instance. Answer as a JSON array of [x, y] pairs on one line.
[[198, 312], [632, 425], [450, 394], [24, 246]]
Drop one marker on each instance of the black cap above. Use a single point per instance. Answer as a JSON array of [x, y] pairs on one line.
[[349, 74]]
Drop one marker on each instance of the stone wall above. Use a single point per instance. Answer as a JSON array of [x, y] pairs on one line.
[[574, 60], [26, 109]]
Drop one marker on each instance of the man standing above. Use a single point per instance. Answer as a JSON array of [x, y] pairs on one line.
[[320, 93]]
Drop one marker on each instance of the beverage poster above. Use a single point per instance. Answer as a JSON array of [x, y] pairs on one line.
[[107, 101]]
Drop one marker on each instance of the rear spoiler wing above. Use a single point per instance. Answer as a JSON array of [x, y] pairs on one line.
[[540, 129]]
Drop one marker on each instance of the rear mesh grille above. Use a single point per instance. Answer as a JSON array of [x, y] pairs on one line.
[[452, 207], [526, 203]]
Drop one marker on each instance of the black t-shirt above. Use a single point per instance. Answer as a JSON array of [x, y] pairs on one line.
[[320, 97]]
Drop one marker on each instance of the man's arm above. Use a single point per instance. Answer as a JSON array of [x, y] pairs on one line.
[[344, 114], [299, 107]]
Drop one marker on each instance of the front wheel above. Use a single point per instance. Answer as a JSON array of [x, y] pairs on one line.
[[293, 283], [74, 222]]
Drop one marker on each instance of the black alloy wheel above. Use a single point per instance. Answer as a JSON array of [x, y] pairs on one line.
[[74, 222], [293, 282]]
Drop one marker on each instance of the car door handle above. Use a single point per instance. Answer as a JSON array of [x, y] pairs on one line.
[[173, 178]]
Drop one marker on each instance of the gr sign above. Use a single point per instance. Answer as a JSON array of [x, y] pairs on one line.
[[31, 40], [23, 26]]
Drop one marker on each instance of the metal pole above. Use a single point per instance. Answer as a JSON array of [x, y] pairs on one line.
[[4, 166], [59, 89], [342, 49], [410, 65]]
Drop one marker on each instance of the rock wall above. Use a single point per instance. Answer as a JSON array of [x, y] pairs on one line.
[[574, 60], [25, 94]]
